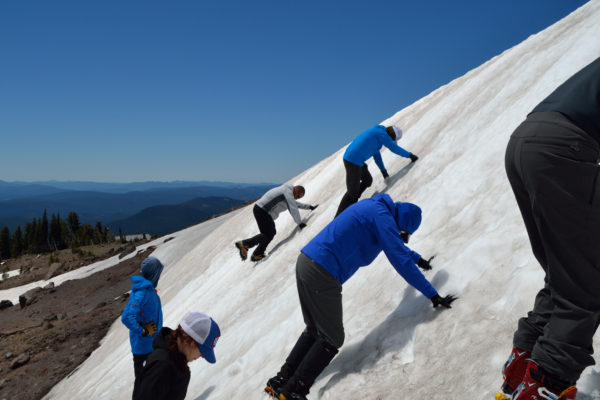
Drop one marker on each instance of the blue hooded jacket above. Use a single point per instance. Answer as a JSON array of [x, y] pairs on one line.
[[144, 306], [368, 144], [357, 236]]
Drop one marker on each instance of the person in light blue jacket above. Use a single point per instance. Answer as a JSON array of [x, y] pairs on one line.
[[365, 146], [143, 313], [352, 240]]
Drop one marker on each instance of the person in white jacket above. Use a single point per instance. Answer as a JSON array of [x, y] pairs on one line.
[[266, 210]]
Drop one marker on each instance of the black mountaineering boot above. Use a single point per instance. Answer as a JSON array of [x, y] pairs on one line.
[[304, 343], [318, 357]]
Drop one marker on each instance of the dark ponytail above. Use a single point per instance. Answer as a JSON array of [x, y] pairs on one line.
[[172, 344]]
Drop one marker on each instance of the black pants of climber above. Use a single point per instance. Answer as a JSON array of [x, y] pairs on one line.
[[266, 226], [138, 366], [552, 166], [358, 179]]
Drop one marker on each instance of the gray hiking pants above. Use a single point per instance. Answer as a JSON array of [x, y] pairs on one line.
[[321, 301], [552, 166]]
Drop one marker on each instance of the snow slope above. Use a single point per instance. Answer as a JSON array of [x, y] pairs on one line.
[[170, 248], [397, 346]]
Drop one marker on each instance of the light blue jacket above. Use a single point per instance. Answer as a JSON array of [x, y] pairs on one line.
[[144, 306], [357, 236], [368, 144]]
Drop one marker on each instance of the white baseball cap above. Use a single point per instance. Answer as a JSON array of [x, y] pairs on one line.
[[204, 330]]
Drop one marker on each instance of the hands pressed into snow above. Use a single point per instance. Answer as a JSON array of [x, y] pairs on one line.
[[385, 174], [413, 157], [313, 207], [445, 302]]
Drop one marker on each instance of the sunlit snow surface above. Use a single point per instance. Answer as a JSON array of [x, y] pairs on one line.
[[397, 346]]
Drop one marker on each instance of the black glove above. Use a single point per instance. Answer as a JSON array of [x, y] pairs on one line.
[[385, 174], [442, 301], [302, 225], [149, 329], [413, 157], [424, 264], [313, 207]]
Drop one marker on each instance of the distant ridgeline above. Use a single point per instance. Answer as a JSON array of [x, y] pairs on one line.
[[41, 236], [155, 208], [162, 220]]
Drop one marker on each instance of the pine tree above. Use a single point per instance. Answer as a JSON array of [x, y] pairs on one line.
[[98, 233], [42, 234], [56, 235], [86, 234], [17, 246], [5, 243], [74, 225], [30, 229], [64, 233]]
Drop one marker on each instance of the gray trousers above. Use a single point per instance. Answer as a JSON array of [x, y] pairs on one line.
[[552, 167], [321, 301]]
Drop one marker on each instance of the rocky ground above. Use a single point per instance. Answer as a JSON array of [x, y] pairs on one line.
[[35, 267], [57, 328]]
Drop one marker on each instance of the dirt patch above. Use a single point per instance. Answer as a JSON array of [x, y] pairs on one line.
[[35, 267], [60, 329]]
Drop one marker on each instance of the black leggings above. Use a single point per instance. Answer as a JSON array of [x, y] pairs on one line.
[[358, 179], [266, 226]]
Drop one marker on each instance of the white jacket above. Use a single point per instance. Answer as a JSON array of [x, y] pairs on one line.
[[280, 198]]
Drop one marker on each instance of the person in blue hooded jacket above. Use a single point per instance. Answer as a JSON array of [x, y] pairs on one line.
[[143, 313], [365, 146], [352, 240]]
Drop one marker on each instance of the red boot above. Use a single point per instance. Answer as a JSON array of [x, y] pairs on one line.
[[538, 386], [513, 372]]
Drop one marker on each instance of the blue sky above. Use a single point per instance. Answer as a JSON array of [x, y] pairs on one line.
[[243, 91]]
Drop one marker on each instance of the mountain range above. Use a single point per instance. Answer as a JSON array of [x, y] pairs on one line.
[[122, 204]]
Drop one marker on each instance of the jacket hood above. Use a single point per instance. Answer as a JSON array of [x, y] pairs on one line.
[[139, 282], [151, 269], [407, 215]]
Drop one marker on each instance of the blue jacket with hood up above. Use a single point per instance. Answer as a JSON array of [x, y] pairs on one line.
[[368, 144], [357, 236], [144, 306]]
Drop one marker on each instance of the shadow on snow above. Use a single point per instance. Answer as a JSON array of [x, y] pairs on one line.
[[390, 336]]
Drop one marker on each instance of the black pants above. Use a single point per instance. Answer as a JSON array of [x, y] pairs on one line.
[[552, 167], [358, 179], [138, 366], [266, 226]]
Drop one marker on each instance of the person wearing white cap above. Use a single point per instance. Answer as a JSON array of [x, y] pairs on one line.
[[365, 146], [166, 374]]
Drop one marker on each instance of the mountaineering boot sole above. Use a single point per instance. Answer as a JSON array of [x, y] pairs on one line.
[[293, 396]]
